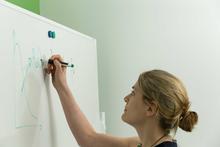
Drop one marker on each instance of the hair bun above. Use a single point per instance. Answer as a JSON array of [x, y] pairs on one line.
[[188, 120]]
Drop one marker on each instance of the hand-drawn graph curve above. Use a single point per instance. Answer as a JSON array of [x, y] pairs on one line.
[[28, 71]]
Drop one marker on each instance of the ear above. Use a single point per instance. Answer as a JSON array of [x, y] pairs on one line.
[[151, 108]]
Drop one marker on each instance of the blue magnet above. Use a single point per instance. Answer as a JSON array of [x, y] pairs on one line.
[[51, 34]]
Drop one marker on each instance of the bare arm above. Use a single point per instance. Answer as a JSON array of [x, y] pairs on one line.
[[82, 130], [84, 133]]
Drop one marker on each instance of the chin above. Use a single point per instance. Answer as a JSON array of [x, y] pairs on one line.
[[123, 117], [126, 120]]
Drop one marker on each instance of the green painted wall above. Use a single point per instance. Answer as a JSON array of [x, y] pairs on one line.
[[31, 5]]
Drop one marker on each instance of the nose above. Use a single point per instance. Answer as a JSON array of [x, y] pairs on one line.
[[126, 98]]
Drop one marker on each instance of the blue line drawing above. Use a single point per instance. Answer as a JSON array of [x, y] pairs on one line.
[[33, 64]]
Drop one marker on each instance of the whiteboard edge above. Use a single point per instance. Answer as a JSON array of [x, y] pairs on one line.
[[41, 18]]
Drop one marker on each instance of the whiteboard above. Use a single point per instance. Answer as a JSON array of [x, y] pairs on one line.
[[30, 110]]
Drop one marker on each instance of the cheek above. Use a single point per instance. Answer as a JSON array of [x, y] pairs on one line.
[[136, 105], [137, 113]]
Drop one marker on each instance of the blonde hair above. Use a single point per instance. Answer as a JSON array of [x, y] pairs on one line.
[[171, 97]]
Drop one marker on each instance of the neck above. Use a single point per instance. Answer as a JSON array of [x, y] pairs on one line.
[[151, 135]]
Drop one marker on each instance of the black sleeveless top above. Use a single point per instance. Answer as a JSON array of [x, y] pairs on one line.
[[164, 144], [167, 144]]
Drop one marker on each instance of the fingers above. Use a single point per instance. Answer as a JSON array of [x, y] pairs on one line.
[[57, 64], [57, 56], [51, 67]]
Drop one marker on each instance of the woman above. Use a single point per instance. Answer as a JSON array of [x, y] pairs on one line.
[[157, 105]]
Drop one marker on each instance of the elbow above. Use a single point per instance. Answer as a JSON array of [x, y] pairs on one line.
[[87, 140]]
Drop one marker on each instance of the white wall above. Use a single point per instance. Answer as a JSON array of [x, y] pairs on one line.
[[181, 36], [98, 20]]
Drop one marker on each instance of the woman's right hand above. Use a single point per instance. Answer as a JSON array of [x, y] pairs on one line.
[[58, 72]]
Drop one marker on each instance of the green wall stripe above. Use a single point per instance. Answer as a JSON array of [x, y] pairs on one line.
[[31, 5]]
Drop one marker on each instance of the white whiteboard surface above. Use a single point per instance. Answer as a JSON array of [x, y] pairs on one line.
[[30, 110]]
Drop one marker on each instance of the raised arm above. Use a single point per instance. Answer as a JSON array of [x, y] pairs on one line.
[[82, 130]]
